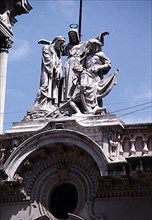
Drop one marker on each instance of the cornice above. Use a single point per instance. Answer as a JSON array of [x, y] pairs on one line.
[[137, 184]]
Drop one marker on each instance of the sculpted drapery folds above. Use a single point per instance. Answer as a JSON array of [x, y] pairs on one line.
[[51, 73], [94, 65], [84, 83], [74, 49], [84, 70]]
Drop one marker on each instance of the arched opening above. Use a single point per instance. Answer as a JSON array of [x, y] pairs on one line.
[[63, 200]]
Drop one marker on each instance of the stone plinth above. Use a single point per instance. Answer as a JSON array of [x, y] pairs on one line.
[[83, 121]]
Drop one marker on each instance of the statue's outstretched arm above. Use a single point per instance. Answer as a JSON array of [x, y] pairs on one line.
[[43, 41], [101, 37]]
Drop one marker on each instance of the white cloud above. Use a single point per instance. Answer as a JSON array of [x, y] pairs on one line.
[[66, 7], [20, 49]]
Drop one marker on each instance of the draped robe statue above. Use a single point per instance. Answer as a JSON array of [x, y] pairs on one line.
[[84, 81], [84, 70], [51, 73]]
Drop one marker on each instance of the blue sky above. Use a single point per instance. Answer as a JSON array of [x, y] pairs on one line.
[[129, 47]]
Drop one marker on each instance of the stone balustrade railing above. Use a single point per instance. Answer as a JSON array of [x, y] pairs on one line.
[[136, 145]]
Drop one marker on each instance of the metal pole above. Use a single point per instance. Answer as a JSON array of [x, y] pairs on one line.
[[80, 19]]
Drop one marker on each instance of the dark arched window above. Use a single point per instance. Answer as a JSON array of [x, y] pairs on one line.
[[63, 200]]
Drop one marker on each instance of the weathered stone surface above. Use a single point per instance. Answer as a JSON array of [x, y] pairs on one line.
[[106, 162]]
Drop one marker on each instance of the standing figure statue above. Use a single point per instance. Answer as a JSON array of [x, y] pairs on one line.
[[48, 94], [84, 81], [75, 48]]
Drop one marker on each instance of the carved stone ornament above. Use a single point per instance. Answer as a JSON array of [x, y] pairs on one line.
[[83, 86], [58, 168], [17, 178], [22, 7]]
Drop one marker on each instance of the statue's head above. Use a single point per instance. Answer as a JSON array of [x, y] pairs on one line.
[[58, 43], [94, 45], [57, 39], [74, 36]]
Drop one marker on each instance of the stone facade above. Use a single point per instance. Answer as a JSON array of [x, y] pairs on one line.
[[77, 166], [88, 167]]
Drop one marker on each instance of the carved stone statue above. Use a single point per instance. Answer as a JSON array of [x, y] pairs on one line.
[[73, 49], [51, 71], [94, 65], [114, 146], [84, 70], [84, 82], [97, 64]]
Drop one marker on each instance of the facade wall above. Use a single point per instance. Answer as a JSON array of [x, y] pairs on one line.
[[124, 208], [96, 172]]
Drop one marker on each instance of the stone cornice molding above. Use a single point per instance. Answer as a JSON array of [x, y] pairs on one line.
[[136, 184]]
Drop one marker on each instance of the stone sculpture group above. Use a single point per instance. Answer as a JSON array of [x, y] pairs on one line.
[[82, 85]]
